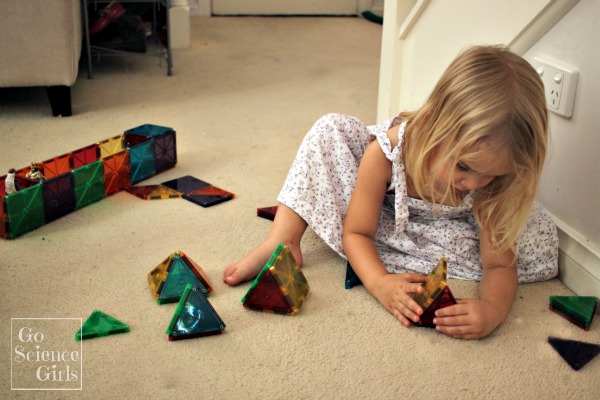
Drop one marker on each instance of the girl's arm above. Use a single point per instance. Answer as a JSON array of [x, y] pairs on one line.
[[393, 291], [473, 319]]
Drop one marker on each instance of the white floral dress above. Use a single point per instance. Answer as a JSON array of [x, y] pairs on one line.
[[411, 237]]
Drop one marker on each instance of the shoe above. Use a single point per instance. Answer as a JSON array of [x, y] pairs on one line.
[[143, 26], [109, 13]]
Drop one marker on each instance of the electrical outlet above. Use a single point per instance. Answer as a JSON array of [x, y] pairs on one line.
[[560, 82]]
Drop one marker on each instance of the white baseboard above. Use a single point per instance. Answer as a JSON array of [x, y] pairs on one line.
[[578, 262]]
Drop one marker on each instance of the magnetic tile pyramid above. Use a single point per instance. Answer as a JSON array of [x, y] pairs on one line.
[[577, 354], [169, 279], [199, 192], [154, 192], [194, 317], [280, 286], [436, 295], [577, 309], [100, 324]]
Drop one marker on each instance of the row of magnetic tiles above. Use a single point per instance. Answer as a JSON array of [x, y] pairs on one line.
[[81, 177]]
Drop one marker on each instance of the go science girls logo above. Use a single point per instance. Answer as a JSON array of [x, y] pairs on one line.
[[45, 354]]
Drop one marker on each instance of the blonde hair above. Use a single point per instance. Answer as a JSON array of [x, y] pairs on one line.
[[487, 99]]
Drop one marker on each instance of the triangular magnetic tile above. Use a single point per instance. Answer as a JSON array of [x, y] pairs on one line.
[[163, 193], [194, 317], [153, 192], [443, 299], [577, 354], [141, 191], [267, 212], [100, 324], [289, 277], [208, 196], [579, 310], [280, 286], [179, 276], [267, 296], [436, 281], [157, 277]]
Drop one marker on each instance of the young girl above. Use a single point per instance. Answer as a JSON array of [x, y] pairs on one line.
[[456, 179]]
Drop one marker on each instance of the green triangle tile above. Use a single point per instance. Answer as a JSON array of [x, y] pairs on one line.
[[194, 317], [100, 324], [577, 309], [179, 276]]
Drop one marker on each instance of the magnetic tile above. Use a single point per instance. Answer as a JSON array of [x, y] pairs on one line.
[[267, 296], [178, 277], [141, 161], [56, 166], [132, 139], [162, 193], [351, 278], [443, 299], [194, 317], [436, 294], [85, 156], [157, 277], [154, 192], [151, 130], [290, 278], [89, 184], [577, 354], [267, 212], [208, 196], [3, 222], [141, 191], [59, 196], [186, 184], [100, 324], [280, 286], [111, 146], [168, 280], [579, 310], [165, 152], [117, 174], [25, 210]]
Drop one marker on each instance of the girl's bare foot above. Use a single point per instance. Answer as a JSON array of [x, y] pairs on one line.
[[248, 267]]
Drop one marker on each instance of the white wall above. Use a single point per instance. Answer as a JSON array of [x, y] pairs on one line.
[[421, 37], [571, 186]]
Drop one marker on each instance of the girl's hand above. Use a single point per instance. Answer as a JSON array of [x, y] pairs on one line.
[[394, 292], [468, 319]]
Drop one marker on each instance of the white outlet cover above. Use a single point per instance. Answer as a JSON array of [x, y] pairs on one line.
[[560, 83]]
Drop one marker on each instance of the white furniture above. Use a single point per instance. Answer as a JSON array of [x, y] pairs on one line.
[[40, 45]]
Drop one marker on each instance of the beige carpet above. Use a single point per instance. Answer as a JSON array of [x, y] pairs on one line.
[[241, 99]]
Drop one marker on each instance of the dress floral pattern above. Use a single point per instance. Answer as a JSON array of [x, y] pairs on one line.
[[411, 237]]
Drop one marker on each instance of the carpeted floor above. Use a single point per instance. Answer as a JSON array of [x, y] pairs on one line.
[[241, 99]]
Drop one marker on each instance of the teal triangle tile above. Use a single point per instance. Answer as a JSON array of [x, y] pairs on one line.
[[179, 276], [194, 317]]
